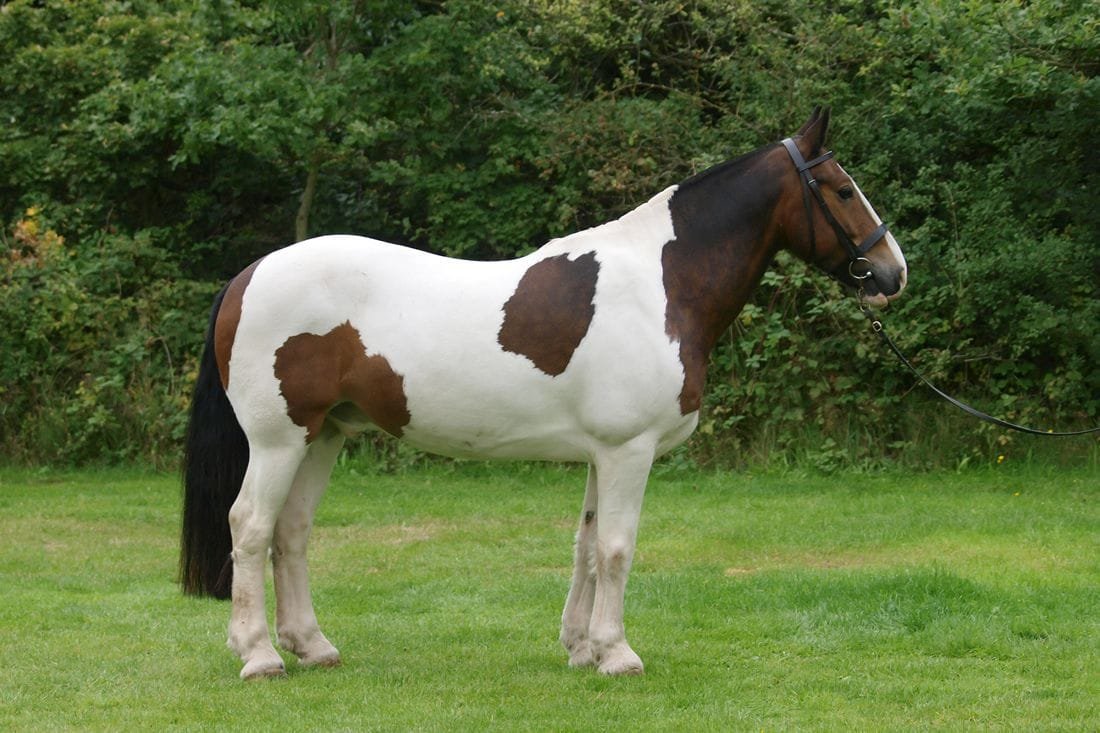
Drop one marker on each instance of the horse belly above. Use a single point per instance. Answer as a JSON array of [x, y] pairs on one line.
[[528, 419], [620, 383], [509, 438]]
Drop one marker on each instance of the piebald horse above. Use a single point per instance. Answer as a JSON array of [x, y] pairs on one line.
[[594, 348]]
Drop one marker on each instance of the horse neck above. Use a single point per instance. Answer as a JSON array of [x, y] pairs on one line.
[[727, 233]]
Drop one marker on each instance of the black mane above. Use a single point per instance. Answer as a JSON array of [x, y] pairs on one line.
[[723, 167]]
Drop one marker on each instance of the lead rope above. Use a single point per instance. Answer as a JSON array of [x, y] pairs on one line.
[[876, 326]]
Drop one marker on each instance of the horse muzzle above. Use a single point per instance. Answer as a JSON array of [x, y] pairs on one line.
[[881, 284]]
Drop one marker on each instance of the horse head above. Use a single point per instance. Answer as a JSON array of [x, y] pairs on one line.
[[831, 224]]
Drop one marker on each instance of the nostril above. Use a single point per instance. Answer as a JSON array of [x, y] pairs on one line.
[[898, 283]]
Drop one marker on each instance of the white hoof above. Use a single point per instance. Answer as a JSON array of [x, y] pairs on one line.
[[581, 655], [263, 665], [330, 658], [620, 660], [317, 652]]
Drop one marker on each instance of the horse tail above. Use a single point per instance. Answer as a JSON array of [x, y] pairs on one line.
[[214, 462]]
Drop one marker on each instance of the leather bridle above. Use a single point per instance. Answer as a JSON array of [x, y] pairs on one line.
[[856, 257], [856, 253]]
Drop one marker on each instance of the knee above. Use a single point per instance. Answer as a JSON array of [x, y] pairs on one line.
[[250, 537], [615, 555]]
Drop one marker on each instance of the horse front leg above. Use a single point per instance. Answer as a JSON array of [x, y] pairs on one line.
[[621, 475], [295, 621], [577, 615]]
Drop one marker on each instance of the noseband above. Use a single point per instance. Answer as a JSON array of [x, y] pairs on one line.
[[856, 254]]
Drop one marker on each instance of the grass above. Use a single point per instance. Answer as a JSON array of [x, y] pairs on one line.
[[856, 602]]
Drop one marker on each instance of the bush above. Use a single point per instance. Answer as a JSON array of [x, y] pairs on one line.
[[154, 151], [103, 359]]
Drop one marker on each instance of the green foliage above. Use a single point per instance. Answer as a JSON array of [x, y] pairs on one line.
[[164, 146], [102, 357]]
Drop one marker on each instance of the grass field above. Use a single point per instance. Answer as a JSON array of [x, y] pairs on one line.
[[856, 602]]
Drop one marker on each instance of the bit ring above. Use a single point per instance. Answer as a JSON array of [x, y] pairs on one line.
[[852, 265]]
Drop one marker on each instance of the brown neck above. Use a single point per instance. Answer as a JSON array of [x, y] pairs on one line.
[[727, 232]]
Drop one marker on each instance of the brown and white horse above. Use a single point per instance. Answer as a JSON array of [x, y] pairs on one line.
[[593, 348]]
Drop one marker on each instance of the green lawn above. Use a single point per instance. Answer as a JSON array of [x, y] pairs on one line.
[[889, 602]]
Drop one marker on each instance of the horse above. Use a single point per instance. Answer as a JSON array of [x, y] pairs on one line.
[[592, 349]]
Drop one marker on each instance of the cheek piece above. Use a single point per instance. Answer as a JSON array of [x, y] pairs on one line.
[[859, 267]]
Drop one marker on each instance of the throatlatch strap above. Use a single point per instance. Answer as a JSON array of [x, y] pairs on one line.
[[795, 153]]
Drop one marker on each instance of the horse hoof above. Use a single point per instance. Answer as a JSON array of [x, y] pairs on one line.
[[620, 662], [323, 660], [582, 656], [622, 669], [318, 653], [263, 669]]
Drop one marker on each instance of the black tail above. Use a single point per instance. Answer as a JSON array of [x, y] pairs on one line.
[[214, 462]]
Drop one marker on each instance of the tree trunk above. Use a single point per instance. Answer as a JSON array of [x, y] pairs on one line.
[[301, 221]]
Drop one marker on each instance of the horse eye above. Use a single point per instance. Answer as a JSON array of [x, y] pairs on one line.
[[846, 193]]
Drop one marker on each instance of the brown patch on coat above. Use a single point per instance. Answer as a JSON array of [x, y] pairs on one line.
[[550, 311], [316, 373], [695, 321], [229, 315], [728, 227], [690, 319]]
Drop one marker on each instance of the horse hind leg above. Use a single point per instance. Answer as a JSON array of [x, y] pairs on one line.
[[295, 621], [577, 615], [267, 482]]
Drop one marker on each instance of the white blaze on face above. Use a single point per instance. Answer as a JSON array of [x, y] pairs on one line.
[[896, 262]]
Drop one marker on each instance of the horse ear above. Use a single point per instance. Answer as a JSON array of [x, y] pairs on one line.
[[814, 131], [809, 123]]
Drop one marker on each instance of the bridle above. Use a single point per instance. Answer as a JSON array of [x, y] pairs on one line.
[[856, 256], [856, 253]]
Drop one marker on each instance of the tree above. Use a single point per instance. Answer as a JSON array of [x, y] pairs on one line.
[[149, 151]]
